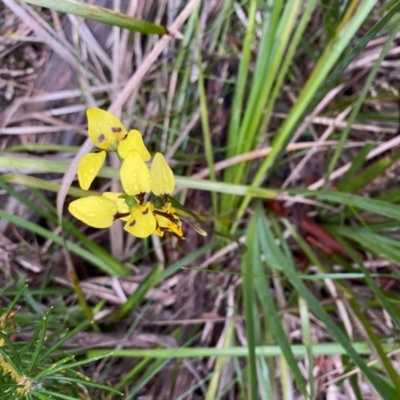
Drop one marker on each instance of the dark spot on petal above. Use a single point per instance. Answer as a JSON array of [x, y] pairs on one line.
[[146, 211], [101, 138], [132, 223], [116, 129]]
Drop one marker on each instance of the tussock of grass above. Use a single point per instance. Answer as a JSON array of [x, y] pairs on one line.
[[281, 126]]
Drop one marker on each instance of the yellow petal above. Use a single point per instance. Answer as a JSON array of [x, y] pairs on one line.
[[141, 222], [176, 229], [119, 201], [105, 130], [171, 222], [162, 176], [135, 174], [96, 211], [88, 168], [134, 141]]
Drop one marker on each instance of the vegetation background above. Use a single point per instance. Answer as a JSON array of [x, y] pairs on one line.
[[280, 120]]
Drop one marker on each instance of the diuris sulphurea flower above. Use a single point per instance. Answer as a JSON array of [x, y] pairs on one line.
[[142, 217]]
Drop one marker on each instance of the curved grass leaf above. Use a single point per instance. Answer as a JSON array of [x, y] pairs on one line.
[[100, 14], [250, 257], [138, 295], [325, 349]]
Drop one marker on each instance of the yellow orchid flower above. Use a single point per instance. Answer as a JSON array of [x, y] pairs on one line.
[[108, 134], [137, 180], [163, 180]]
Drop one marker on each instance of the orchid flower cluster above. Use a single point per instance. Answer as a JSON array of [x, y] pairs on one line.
[[142, 216]]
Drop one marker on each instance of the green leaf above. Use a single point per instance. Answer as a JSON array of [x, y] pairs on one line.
[[249, 258], [138, 295], [345, 183], [100, 14]]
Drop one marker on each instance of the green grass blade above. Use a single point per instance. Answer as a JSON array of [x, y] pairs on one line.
[[100, 14], [375, 342], [325, 349], [42, 184], [345, 183], [238, 99], [238, 104], [189, 259], [305, 318], [151, 371], [249, 259], [288, 59], [138, 295], [41, 334], [37, 165], [208, 148]]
